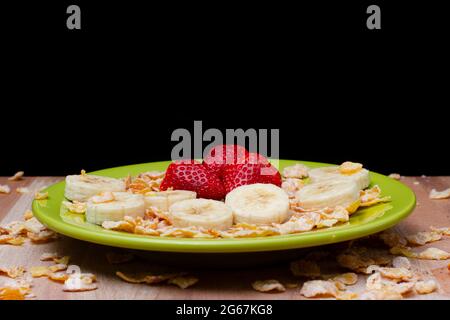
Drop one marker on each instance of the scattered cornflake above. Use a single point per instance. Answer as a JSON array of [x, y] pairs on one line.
[[146, 277], [377, 282], [298, 224], [380, 295], [401, 262], [392, 238], [58, 267], [349, 167], [183, 282], [425, 287], [17, 176], [402, 274], [78, 282], [347, 279], [346, 295], [416, 183], [319, 288], [33, 225], [359, 258], [395, 176], [58, 276], [16, 241], [404, 251], [296, 171], [42, 236], [22, 190], [28, 215], [444, 231], [47, 256], [103, 197], [62, 260], [424, 237], [291, 186], [119, 226], [75, 206], [434, 194], [153, 175], [116, 258], [268, 286], [41, 195], [13, 272], [5, 188], [39, 271], [11, 293], [305, 268], [434, 254], [372, 196]]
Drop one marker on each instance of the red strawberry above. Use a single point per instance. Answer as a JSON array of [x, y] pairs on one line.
[[269, 174], [194, 176], [223, 156]]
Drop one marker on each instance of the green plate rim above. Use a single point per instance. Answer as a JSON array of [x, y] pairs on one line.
[[273, 243]]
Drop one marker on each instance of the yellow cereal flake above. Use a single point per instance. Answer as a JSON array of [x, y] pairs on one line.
[[183, 282], [291, 186], [17, 176], [443, 231], [79, 282], [12, 272], [41, 195], [359, 258], [372, 196], [347, 279], [5, 189], [392, 238], [116, 258], [305, 268], [119, 226], [11, 293], [47, 256], [350, 167], [147, 277], [268, 286], [437, 195], [103, 197], [297, 171], [16, 241], [62, 260], [75, 206], [39, 271], [28, 215], [58, 276], [424, 237], [395, 176], [380, 295], [425, 287], [22, 190], [434, 254], [319, 288], [401, 262], [42, 236]]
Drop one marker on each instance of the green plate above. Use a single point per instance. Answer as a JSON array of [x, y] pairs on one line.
[[362, 223]]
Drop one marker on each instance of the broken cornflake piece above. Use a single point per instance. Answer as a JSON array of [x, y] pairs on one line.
[[380, 295], [58, 267], [395, 176], [58, 276], [392, 238], [146, 277], [183, 282], [103, 197], [41, 195], [305, 268], [404, 251], [28, 215], [434, 254], [268, 286], [22, 190], [12, 240], [349, 167], [17, 176], [46, 256], [116, 258], [359, 258], [153, 175], [75, 206], [372, 196], [297, 224], [11, 293], [42, 236], [119, 226], [444, 194], [79, 282], [347, 279], [377, 282], [319, 288], [13, 272], [402, 274], [296, 171], [291, 186], [424, 237], [401, 262], [5, 189], [444, 231], [425, 287], [62, 260], [33, 225], [39, 271]]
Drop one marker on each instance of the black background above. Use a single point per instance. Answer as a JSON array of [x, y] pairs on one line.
[[112, 93]]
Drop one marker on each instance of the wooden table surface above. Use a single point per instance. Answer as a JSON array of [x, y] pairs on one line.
[[213, 284]]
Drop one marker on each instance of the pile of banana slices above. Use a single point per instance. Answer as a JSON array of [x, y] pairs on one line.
[[307, 199]]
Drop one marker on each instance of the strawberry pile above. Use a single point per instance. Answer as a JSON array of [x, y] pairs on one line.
[[224, 168]]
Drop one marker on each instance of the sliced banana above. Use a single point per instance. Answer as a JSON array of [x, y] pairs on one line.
[[209, 214], [328, 193], [114, 207], [360, 177], [82, 187], [164, 199], [258, 204]]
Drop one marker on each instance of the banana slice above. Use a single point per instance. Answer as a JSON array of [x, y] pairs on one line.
[[164, 199], [258, 204], [209, 214], [328, 193], [360, 177], [82, 187], [114, 206]]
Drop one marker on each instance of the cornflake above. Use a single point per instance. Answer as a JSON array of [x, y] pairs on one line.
[[41, 195], [43, 236], [372, 196], [444, 194], [425, 287], [291, 186], [78, 282], [13, 272], [392, 238], [444, 231], [359, 258], [58, 276], [119, 226], [381, 295], [405, 251], [296, 171], [347, 279], [28, 215], [116, 258], [377, 282], [46, 256], [183, 282], [22, 190], [401, 262], [350, 167], [268, 286], [40, 271], [319, 288], [305, 268], [298, 224], [11, 293], [75, 206], [147, 278], [395, 176], [434, 254], [103, 197], [17, 176], [5, 189], [424, 237]]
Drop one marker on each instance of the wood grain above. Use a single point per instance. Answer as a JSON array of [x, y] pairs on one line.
[[213, 284]]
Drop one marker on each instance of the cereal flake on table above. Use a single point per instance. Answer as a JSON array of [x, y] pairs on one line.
[[437, 195]]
